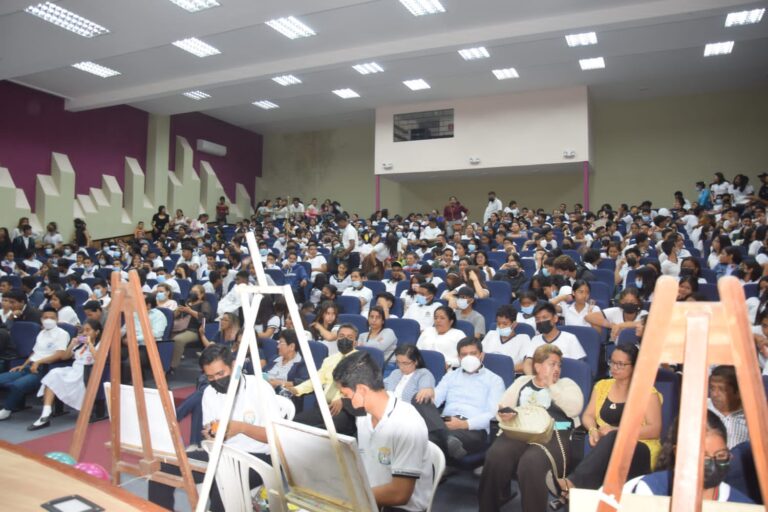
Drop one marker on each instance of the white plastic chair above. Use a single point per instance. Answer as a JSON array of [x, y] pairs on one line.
[[232, 479], [437, 458]]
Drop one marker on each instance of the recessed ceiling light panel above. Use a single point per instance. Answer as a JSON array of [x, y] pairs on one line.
[[266, 104], [474, 53], [594, 63], [95, 69], [68, 20], [196, 5], [721, 48], [346, 93], [196, 47], [291, 28], [197, 95], [583, 39], [368, 68], [416, 85], [735, 19], [286, 80], [505, 74], [423, 7]]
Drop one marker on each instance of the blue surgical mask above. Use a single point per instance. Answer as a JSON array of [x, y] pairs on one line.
[[160, 296], [97, 293], [160, 278], [263, 252], [528, 310], [638, 283], [545, 272], [421, 300], [357, 285], [471, 247], [504, 332]]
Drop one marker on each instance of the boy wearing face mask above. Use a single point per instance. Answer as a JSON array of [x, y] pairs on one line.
[[626, 315], [423, 308], [504, 340], [546, 324], [50, 345], [341, 408], [465, 299], [245, 430], [470, 395], [359, 290]]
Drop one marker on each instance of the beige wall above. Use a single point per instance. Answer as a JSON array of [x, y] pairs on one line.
[[643, 150], [648, 149]]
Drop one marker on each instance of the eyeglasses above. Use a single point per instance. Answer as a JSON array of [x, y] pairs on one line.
[[720, 457], [619, 365]]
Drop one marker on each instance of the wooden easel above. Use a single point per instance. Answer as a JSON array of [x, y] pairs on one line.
[[127, 300], [697, 334]]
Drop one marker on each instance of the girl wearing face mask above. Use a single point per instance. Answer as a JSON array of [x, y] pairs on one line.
[[626, 316], [164, 297], [443, 337], [717, 462], [408, 296], [509, 458]]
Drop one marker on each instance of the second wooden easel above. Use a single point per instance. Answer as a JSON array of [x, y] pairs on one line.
[[128, 303], [697, 334]]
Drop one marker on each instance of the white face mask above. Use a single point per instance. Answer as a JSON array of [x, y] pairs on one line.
[[49, 323], [462, 304], [470, 364]]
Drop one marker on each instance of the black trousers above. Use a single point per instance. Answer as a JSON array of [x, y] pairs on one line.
[[472, 440], [507, 459], [162, 495], [590, 473], [345, 421]]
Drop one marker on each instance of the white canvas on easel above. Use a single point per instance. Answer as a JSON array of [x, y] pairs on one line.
[[130, 433], [297, 444], [346, 461]]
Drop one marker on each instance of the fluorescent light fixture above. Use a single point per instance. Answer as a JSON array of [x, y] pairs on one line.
[[285, 80], [416, 85], [95, 69], [65, 19], [474, 53], [583, 39], [266, 104], [734, 19], [422, 7], [291, 28], [368, 68], [721, 48], [196, 5], [346, 93], [196, 47], [595, 63], [197, 95], [506, 73]]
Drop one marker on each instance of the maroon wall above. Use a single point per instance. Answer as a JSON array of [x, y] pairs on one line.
[[33, 124], [243, 161]]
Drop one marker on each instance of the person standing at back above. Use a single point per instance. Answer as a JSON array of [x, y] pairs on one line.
[[494, 205]]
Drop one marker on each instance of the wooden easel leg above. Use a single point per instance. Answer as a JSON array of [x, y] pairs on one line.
[[689, 458]]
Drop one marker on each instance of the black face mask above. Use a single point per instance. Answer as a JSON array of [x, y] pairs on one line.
[[220, 385], [685, 272], [193, 297], [715, 473], [345, 345], [545, 327], [512, 272], [630, 308]]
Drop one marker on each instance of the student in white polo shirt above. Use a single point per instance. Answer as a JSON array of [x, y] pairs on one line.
[[546, 324], [245, 430], [424, 305], [392, 437], [504, 340]]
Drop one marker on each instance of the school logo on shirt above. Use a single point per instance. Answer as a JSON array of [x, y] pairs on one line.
[[249, 417], [385, 456]]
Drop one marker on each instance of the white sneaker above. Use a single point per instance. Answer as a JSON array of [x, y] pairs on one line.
[[4, 414]]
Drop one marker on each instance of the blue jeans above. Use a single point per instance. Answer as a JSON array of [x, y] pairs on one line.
[[19, 384], [193, 405]]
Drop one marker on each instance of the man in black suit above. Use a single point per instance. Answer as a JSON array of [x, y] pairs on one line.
[[20, 312], [23, 243], [34, 293]]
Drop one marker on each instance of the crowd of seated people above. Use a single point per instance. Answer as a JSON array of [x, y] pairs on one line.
[[431, 296]]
